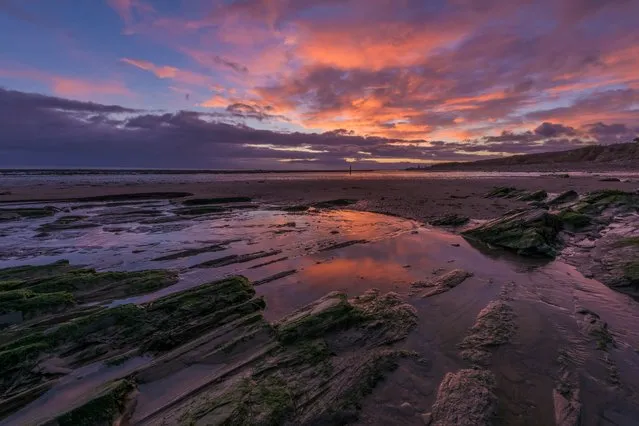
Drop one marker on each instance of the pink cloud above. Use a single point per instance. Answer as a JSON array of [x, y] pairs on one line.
[[69, 86], [168, 72], [83, 88]]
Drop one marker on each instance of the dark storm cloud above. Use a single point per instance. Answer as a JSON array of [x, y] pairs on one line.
[[550, 130]]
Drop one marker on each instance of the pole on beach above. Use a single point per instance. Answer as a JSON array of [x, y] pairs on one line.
[[350, 170]]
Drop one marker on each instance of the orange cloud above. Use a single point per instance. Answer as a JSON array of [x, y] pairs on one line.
[[216, 101], [386, 45]]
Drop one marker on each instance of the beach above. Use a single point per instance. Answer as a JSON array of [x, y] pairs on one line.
[[304, 298], [417, 195]]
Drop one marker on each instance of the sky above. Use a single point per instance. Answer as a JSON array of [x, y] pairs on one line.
[[311, 84]]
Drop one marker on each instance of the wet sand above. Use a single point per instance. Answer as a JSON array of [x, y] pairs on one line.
[[417, 195]]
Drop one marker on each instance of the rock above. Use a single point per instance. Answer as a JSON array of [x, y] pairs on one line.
[[567, 412], [573, 220], [427, 418], [530, 232], [465, 398], [610, 179], [9, 214], [442, 283], [503, 192], [592, 325], [539, 205], [493, 327], [533, 196], [450, 220], [564, 197]]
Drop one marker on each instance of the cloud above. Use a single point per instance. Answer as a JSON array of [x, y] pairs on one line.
[[46, 131], [82, 88], [235, 66], [550, 130], [69, 86], [169, 72]]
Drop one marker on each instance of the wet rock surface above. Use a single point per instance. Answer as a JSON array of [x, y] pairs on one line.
[[529, 232], [465, 398], [450, 220], [440, 283], [314, 365], [494, 327]]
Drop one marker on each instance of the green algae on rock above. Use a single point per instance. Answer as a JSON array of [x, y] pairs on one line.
[[530, 232], [103, 408], [103, 333], [32, 304], [86, 285], [26, 213], [573, 220], [328, 313], [538, 195]]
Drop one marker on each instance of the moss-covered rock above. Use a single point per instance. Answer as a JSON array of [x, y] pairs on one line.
[[33, 272], [597, 202], [531, 232], [102, 409], [539, 195], [328, 313], [32, 304], [158, 327], [631, 272], [26, 213], [624, 242], [573, 220], [503, 192], [86, 285]]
